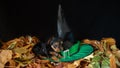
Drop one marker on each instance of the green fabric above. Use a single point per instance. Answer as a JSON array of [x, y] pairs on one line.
[[74, 49], [83, 51]]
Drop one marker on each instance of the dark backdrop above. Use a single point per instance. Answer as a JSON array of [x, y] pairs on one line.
[[92, 19]]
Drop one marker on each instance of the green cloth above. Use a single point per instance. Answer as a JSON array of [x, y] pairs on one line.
[[77, 51], [74, 49]]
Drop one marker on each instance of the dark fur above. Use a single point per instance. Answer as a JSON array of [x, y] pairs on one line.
[[42, 49]]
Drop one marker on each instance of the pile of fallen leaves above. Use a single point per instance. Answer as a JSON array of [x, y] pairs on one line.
[[17, 53], [106, 55]]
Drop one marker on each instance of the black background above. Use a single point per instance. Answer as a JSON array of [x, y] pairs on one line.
[[92, 19]]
